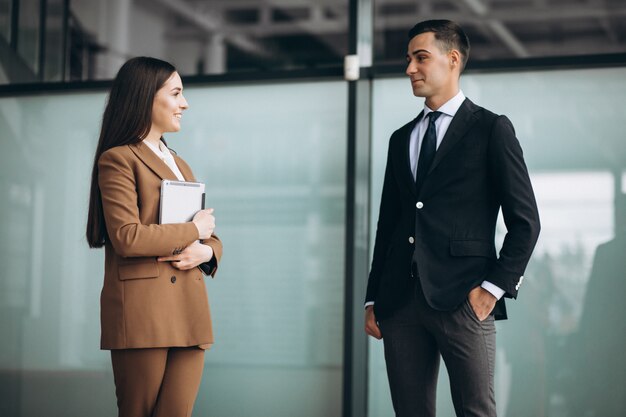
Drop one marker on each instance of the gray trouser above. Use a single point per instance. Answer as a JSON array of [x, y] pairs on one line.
[[415, 337]]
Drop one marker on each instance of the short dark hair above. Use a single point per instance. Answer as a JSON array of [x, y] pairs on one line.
[[449, 35]]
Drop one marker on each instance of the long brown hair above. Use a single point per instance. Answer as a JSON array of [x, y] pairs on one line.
[[127, 119]]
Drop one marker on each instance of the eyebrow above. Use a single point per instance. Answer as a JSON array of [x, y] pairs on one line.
[[417, 51], [176, 88]]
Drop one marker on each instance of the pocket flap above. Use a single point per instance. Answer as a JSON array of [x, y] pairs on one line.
[[472, 248], [146, 269]]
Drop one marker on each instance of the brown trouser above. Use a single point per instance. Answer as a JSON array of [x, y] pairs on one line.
[[157, 382]]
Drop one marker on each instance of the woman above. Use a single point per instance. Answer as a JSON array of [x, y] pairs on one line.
[[154, 310]]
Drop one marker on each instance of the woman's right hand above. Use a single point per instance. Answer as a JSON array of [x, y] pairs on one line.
[[205, 222]]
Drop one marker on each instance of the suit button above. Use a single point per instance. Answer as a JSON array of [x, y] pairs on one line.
[[419, 205], [173, 279], [411, 240]]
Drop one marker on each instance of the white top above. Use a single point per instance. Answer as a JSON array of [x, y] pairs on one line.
[[166, 156], [448, 110]]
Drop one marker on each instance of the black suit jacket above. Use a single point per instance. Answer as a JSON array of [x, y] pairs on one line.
[[449, 228]]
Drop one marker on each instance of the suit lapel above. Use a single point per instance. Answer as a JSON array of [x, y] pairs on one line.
[[152, 161], [462, 121], [407, 174], [184, 168]]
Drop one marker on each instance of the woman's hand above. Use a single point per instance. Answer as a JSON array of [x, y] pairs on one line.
[[193, 255], [205, 222]]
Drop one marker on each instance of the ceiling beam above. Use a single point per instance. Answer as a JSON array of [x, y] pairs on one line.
[[336, 26], [211, 25], [315, 24], [498, 28], [315, 19]]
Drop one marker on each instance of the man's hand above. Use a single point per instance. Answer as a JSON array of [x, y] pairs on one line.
[[193, 255], [482, 302], [371, 327]]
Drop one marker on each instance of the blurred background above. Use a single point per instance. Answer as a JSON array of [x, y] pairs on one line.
[[293, 157], [68, 40]]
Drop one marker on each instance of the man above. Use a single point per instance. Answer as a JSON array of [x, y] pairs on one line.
[[436, 283]]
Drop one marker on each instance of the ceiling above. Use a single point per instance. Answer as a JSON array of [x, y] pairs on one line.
[[311, 33]]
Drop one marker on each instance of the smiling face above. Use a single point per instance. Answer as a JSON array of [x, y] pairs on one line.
[[434, 73], [167, 109]]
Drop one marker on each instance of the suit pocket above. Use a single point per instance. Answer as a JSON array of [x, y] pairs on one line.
[[138, 270], [470, 309], [476, 247]]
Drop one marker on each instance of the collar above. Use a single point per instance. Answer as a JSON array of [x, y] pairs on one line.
[[450, 107], [161, 151]]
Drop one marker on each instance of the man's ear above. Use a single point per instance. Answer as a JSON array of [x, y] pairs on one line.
[[455, 59]]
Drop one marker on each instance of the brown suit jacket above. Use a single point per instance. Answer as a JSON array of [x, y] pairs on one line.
[[146, 303]]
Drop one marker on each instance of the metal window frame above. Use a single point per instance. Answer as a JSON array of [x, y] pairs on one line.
[[357, 233], [41, 47], [14, 22], [332, 73]]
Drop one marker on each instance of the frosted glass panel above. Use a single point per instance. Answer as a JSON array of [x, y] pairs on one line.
[[561, 351], [273, 158]]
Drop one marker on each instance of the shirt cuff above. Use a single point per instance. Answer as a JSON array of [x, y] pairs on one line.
[[369, 303], [208, 267], [493, 289]]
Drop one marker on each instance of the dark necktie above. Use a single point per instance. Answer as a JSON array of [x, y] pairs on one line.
[[427, 150]]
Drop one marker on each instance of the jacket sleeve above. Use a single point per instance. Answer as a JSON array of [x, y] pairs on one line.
[[387, 217], [210, 267], [519, 208], [128, 236]]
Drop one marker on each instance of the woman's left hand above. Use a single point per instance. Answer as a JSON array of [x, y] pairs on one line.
[[193, 255]]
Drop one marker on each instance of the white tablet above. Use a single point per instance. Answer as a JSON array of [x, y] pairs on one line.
[[180, 201]]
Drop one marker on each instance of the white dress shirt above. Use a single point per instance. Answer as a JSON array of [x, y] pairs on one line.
[[166, 156], [448, 110]]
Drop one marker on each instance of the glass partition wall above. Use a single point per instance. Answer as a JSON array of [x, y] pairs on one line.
[[560, 352], [273, 158]]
